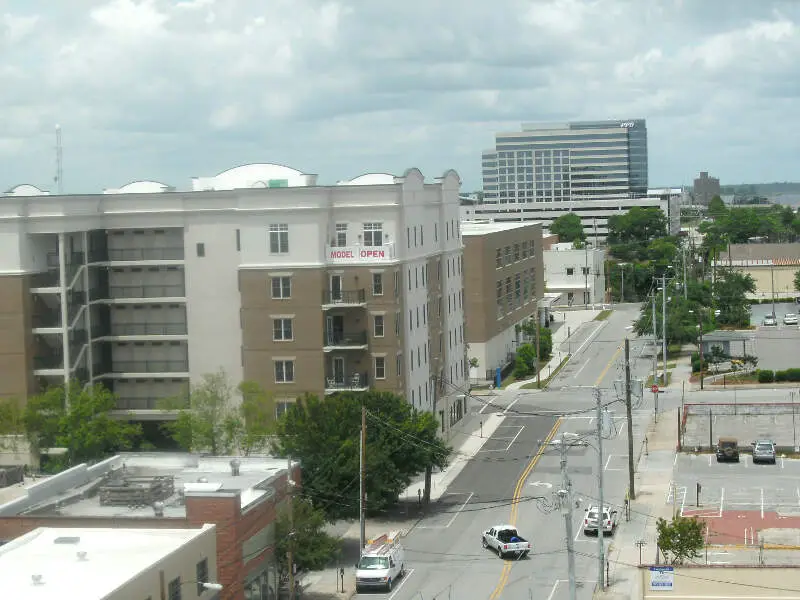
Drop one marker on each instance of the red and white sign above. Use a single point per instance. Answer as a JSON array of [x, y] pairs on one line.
[[359, 254], [654, 388]]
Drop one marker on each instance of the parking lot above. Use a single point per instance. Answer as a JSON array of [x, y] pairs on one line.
[[775, 347], [706, 423]]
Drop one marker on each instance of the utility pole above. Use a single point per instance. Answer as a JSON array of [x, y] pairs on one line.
[[664, 323], [629, 413], [586, 275], [622, 285], [290, 551], [601, 513], [655, 342], [566, 510], [362, 492], [772, 278], [685, 285], [700, 349], [538, 359]]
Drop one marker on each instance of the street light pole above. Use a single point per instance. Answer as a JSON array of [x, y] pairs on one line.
[[601, 511], [664, 322], [566, 510]]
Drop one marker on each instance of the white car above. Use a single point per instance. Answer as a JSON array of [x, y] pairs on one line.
[[770, 321], [610, 520], [790, 319]]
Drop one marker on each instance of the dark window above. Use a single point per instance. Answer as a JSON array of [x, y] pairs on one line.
[[202, 575], [238, 240], [174, 589], [377, 284], [201, 250]]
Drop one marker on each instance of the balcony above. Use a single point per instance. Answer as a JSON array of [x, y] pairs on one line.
[[119, 292], [140, 254], [343, 340], [45, 280], [137, 404], [351, 382], [49, 320], [343, 298], [53, 362], [125, 329], [359, 255], [151, 366]]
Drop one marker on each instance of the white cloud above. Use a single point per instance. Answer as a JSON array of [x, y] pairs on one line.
[[166, 89]]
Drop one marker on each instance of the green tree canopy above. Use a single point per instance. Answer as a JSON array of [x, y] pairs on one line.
[[638, 225], [717, 208], [313, 547], [730, 297], [324, 435], [683, 314], [79, 419], [568, 228], [680, 539], [797, 281]]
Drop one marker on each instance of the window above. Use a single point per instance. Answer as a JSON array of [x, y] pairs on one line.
[[373, 234], [584, 270], [201, 575], [421, 235], [377, 284], [341, 235], [507, 255], [525, 249], [380, 367], [377, 322], [435, 232], [281, 288], [279, 239], [517, 290], [397, 323], [415, 236], [408, 237], [498, 258], [282, 330], [174, 589], [201, 250], [570, 271], [238, 240], [284, 371], [516, 252], [398, 363], [281, 406]]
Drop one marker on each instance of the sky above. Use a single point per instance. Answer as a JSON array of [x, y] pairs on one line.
[[167, 90]]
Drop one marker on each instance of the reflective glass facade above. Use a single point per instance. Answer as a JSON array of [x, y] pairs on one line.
[[593, 160]]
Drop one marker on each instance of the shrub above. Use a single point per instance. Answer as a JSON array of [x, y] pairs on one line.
[[793, 374], [766, 376], [781, 376]]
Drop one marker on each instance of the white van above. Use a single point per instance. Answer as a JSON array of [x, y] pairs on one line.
[[382, 563]]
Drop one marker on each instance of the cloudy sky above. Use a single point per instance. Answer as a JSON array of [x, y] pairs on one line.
[[170, 89]]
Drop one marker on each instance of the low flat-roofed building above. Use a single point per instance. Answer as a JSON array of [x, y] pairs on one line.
[[241, 495], [772, 266], [110, 564]]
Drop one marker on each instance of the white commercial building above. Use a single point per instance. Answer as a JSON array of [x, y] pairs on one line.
[[577, 274], [110, 564]]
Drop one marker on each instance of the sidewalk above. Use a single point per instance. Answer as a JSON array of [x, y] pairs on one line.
[[466, 439], [568, 322]]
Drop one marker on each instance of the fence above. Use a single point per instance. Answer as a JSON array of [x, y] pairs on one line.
[[700, 423]]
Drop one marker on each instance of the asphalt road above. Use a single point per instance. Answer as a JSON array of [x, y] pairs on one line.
[[444, 554]]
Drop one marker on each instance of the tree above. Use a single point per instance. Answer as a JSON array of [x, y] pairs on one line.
[[681, 539], [12, 426], [324, 435], [313, 547], [258, 412], [730, 296], [77, 418], [206, 419], [568, 228], [797, 281], [639, 225], [545, 338], [717, 208], [525, 361]]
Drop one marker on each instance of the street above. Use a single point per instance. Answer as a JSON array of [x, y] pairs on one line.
[[443, 552]]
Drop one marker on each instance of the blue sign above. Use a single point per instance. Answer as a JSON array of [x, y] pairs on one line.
[[662, 579]]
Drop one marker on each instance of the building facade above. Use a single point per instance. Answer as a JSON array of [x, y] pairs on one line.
[[111, 564], [258, 272], [772, 267], [578, 275], [705, 188], [241, 496], [502, 289]]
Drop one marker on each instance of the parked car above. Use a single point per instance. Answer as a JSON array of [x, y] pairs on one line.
[[764, 451], [770, 321], [506, 541], [610, 520], [790, 319], [727, 449]]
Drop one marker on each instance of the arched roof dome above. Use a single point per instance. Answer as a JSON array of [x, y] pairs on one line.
[[256, 175], [26, 189], [371, 179], [141, 187]]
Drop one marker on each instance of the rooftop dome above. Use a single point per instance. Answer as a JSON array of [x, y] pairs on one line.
[[371, 179], [26, 190], [256, 175], [141, 187]]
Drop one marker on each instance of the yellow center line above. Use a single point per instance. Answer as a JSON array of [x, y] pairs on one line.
[[514, 508], [608, 366]]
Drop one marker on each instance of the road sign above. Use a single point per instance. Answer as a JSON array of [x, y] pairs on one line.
[[654, 388]]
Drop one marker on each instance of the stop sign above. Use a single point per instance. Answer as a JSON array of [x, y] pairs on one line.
[[654, 388]]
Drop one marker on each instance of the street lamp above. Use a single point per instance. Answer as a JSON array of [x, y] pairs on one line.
[[700, 344]]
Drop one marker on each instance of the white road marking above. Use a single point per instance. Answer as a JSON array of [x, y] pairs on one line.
[[507, 408], [709, 459], [455, 515], [762, 503], [543, 483], [402, 583], [608, 460], [579, 581], [515, 437]]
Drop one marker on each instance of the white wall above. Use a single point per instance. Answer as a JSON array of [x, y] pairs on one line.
[[10, 256], [213, 299], [556, 268]]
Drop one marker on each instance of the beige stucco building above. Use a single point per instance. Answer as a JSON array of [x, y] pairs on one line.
[[502, 288], [772, 266]]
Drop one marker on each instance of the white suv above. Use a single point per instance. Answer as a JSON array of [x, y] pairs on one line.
[[790, 319]]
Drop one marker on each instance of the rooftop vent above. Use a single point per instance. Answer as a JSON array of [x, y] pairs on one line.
[[81, 555], [158, 509], [235, 466], [37, 579], [202, 480], [67, 540]]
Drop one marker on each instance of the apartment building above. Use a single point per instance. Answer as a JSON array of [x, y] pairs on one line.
[[258, 271], [111, 564], [236, 500], [502, 289], [578, 275]]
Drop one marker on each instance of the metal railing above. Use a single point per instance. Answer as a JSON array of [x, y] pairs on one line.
[[132, 254], [149, 329], [344, 297], [146, 291], [353, 381], [151, 366], [345, 338]]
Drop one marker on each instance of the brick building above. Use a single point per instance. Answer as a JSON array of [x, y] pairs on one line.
[[241, 496]]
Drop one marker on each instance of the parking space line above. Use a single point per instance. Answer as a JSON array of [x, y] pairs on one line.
[[745, 461], [797, 491], [721, 501], [709, 460], [508, 408], [515, 437], [397, 589], [762, 503], [608, 460], [455, 514]]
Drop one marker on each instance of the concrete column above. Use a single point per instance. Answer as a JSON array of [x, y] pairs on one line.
[[62, 280]]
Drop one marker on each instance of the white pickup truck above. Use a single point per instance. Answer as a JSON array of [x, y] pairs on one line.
[[506, 541], [610, 520]]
